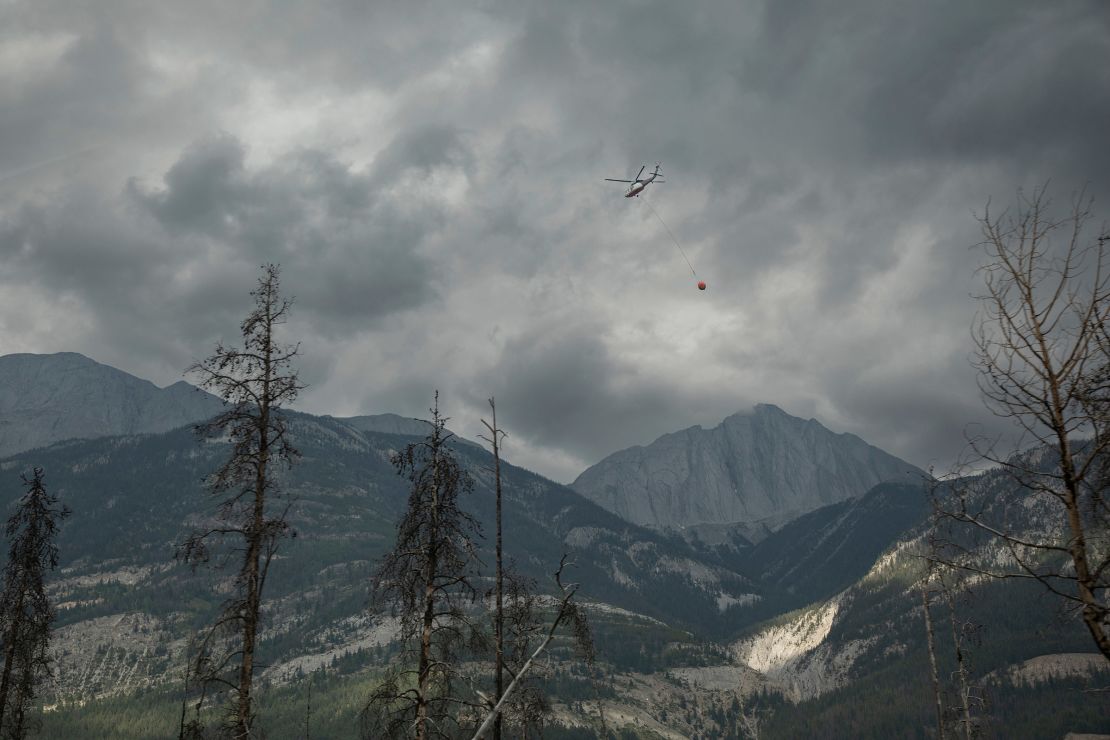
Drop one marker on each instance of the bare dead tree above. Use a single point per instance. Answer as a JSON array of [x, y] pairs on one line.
[[496, 435], [256, 381], [528, 708], [943, 582], [1041, 350], [931, 644], [526, 712], [965, 691], [567, 612], [936, 585], [427, 581], [26, 613]]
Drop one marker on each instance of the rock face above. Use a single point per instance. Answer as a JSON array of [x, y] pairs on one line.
[[49, 398], [760, 467]]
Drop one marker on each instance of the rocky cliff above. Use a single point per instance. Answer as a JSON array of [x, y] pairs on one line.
[[762, 466], [49, 398]]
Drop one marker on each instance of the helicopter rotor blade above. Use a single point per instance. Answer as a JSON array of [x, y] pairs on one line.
[[640, 172], [612, 180]]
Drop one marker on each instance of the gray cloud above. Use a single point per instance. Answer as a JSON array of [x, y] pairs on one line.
[[565, 388], [430, 179], [350, 253]]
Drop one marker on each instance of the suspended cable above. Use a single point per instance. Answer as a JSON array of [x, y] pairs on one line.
[[673, 237]]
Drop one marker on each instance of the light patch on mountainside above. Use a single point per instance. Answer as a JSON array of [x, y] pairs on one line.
[[794, 656], [894, 557], [700, 574], [725, 602], [128, 575], [583, 536], [618, 715], [602, 608], [820, 671], [362, 633], [737, 679], [775, 647], [621, 577], [112, 655], [1047, 667]]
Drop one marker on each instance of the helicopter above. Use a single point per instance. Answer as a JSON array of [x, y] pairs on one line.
[[637, 186]]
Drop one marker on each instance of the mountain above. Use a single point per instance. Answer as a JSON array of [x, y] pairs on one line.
[[762, 468], [49, 398], [394, 424], [387, 424], [814, 631], [662, 610], [1030, 659], [134, 498], [826, 550]]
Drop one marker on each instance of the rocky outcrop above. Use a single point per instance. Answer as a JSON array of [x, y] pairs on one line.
[[796, 655], [49, 398], [762, 466]]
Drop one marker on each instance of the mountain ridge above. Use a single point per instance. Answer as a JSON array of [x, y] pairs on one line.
[[764, 466], [53, 397]]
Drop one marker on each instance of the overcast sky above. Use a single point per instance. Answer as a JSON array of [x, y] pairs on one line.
[[430, 178]]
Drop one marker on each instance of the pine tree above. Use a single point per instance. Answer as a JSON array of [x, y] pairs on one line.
[[25, 611], [255, 381], [427, 582]]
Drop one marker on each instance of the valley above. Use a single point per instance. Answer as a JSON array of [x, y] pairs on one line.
[[693, 639]]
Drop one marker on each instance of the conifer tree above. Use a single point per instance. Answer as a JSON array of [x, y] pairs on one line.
[[427, 582], [25, 611], [256, 382]]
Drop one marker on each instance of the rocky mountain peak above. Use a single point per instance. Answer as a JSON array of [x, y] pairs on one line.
[[49, 398], [760, 466]]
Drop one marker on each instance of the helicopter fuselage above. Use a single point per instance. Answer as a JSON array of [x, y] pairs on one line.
[[637, 185], [637, 188]]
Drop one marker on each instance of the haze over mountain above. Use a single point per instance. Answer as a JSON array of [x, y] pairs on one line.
[[762, 467], [49, 398]]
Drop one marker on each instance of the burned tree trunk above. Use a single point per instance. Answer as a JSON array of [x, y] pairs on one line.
[[427, 582], [255, 381], [496, 435]]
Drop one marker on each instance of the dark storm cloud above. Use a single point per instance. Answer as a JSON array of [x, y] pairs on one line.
[[430, 178], [81, 78], [564, 388], [350, 255], [423, 149], [114, 283], [184, 255], [204, 189]]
